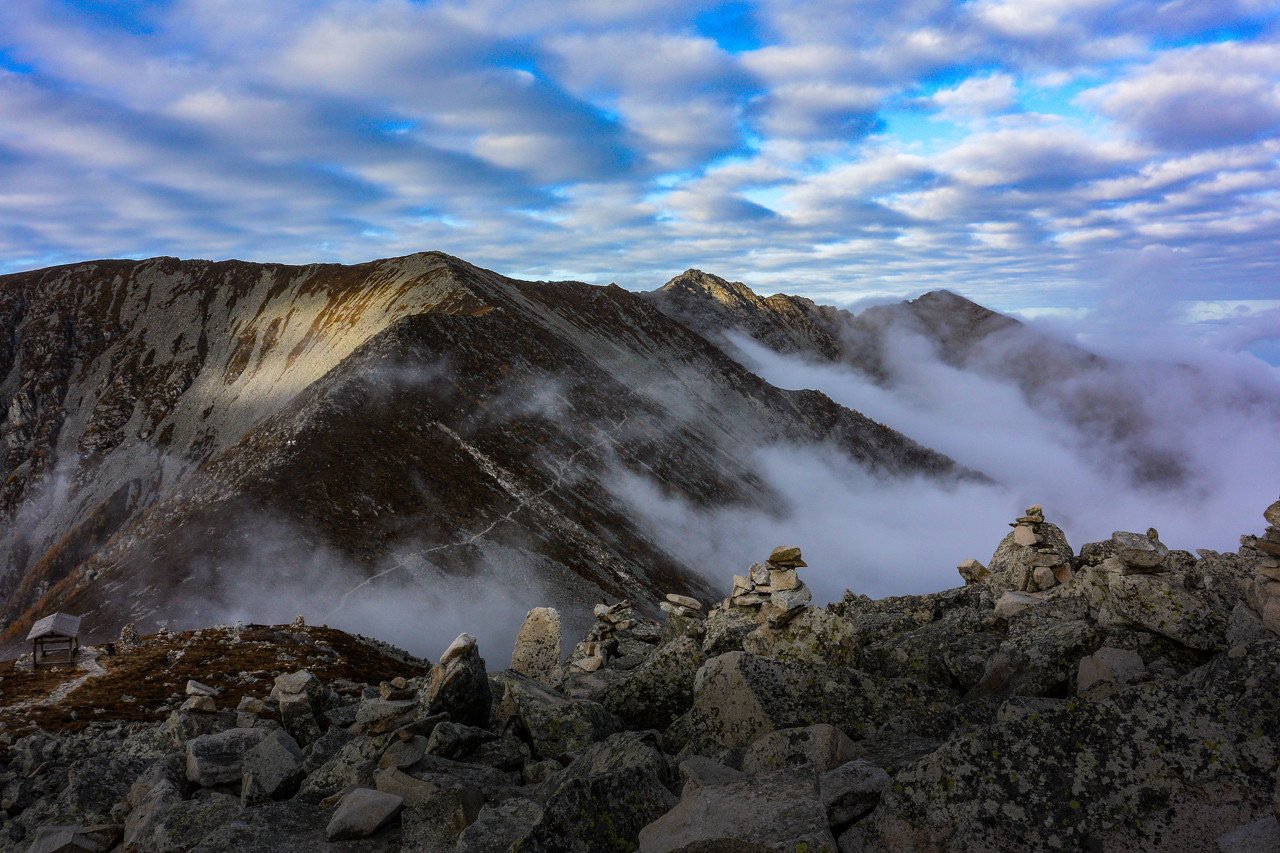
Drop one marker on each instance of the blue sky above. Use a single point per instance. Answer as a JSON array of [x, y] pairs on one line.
[[1038, 155]]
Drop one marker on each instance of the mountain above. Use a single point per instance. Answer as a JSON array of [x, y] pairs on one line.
[[182, 439], [1107, 405]]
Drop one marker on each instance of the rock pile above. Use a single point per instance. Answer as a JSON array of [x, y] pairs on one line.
[[1263, 592], [774, 583], [1126, 707], [1034, 557]]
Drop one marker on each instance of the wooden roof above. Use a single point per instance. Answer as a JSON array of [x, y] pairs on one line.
[[56, 624]]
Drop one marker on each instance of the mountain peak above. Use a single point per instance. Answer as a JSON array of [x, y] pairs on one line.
[[695, 282]]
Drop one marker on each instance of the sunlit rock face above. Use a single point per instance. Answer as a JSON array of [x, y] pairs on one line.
[[185, 438]]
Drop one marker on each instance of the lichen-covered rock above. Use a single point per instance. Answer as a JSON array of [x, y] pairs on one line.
[[361, 812], [184, 823], [778, 811], [290, 826], [459, 684], [537, 649], [218, 758], [556, 724], [1013, 564], [500, 826], [605, 797], [659, 690], [1161, 766], [852, 790], [822, 746], [815, 635], [271, 769]]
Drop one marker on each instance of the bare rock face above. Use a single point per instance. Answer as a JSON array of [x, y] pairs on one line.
[[537, 650]]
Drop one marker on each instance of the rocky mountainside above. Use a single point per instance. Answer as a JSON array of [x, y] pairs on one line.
[[1109, 407], [1122, 697], [180, 436]]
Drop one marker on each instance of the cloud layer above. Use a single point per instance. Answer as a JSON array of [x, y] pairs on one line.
[[1019, 151]]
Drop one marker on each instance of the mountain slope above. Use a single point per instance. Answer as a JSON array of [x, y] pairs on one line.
[[185, 437]]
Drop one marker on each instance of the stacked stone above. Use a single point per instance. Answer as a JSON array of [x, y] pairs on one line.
[[1042, 566], [772, 582], [1264, 592], [1136, 554], [592, 652], [681, 605]]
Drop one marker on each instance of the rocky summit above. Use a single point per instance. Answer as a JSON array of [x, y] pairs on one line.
[[1122, 697]]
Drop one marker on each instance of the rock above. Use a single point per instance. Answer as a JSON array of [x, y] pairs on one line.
[[1024, 536], [432, 825], [459, 684], [300, 683], [972, 571], [297, 715], [361, 813], [1260, 836], [200, 705], [351, 766], [152, 793], [288, 827], [1012, 602], [684, 601], [1109, 666], [196, 688], [778, 811], [454, 740], [698, 770], [739, 697], [601, 801], [787, 556], [537, 649], [403, 753], [783, 580], [821, 745], [1012, 564], [184, 824], [1138, 552], [1243, 626], [852, 790], [218, 758], [659, 690], [1044, 577], [75, 839], [557, 725], [1161, 604], [501, 826], [272, 769], [1272, 514]]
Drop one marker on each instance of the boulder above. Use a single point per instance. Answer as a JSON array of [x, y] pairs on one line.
[[1108, 666], [432, 825], [1140, 554], [556, 724], [537, 649], [814, 635], [361, 812], [852, 790], [459, 684], [659, 690], [972, 571], [455, 740], [352, 765], [289, 826], [297, 715], [183, 824], [75, 839], [1013, 602], [777, 811], [272, 769], [500, 826], [218, 758], [698, 770], [821, 745], [1272, 514]]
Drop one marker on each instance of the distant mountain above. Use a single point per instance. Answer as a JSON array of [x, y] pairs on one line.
[[178, 435], [1063, 380]]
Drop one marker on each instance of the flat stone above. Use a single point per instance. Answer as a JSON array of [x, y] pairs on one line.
[[1137, 551], [361, 813], [787, 599], [787, 555], [1261, 836], [401, 753], [200, 703], [783, 579], [1267, 547], [684, 601], [1025, 536], [197, 688], [972, 571]]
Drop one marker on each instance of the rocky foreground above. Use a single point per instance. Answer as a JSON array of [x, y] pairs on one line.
[[1122, 698]]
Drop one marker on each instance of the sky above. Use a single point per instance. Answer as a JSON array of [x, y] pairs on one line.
[[1047, 157]]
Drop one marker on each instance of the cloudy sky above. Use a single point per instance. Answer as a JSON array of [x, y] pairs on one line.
[[1046, 156]]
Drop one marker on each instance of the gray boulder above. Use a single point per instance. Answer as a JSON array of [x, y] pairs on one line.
[[556, 724], [75, 839], [658, 690], [459, 684], [500, 826], [777, 811], [272, 769], [361, 812], [821, 745], [184, 823], [851, 791], [537, 649], [218, 758], [290, 826], [455, 740]]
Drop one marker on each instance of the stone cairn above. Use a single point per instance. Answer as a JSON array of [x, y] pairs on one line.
[[592, 652], [1041, 567], [681, 605], [773, 586], [1263, 594]]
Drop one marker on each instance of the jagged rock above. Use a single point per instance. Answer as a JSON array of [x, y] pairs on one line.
[[322, 750], [468, 781], [361, 813], [300, 683], [557, 725], [1108, 666], [298, 718], [94, 785], [972, 571], [789, 599], [778, 811], [151, 794], [698, 770], [1040, 658], [659, 690], [1161, 604], [218, 758], [454, 740], [852, 790], [602, 800], [821, 745], [75, 839], [459, 684], [1264, 599], [1272, 514], [537, 649], [196, 688], [271, 769], [501, 826]]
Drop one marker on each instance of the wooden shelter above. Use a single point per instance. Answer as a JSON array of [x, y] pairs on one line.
[[55, 634]]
